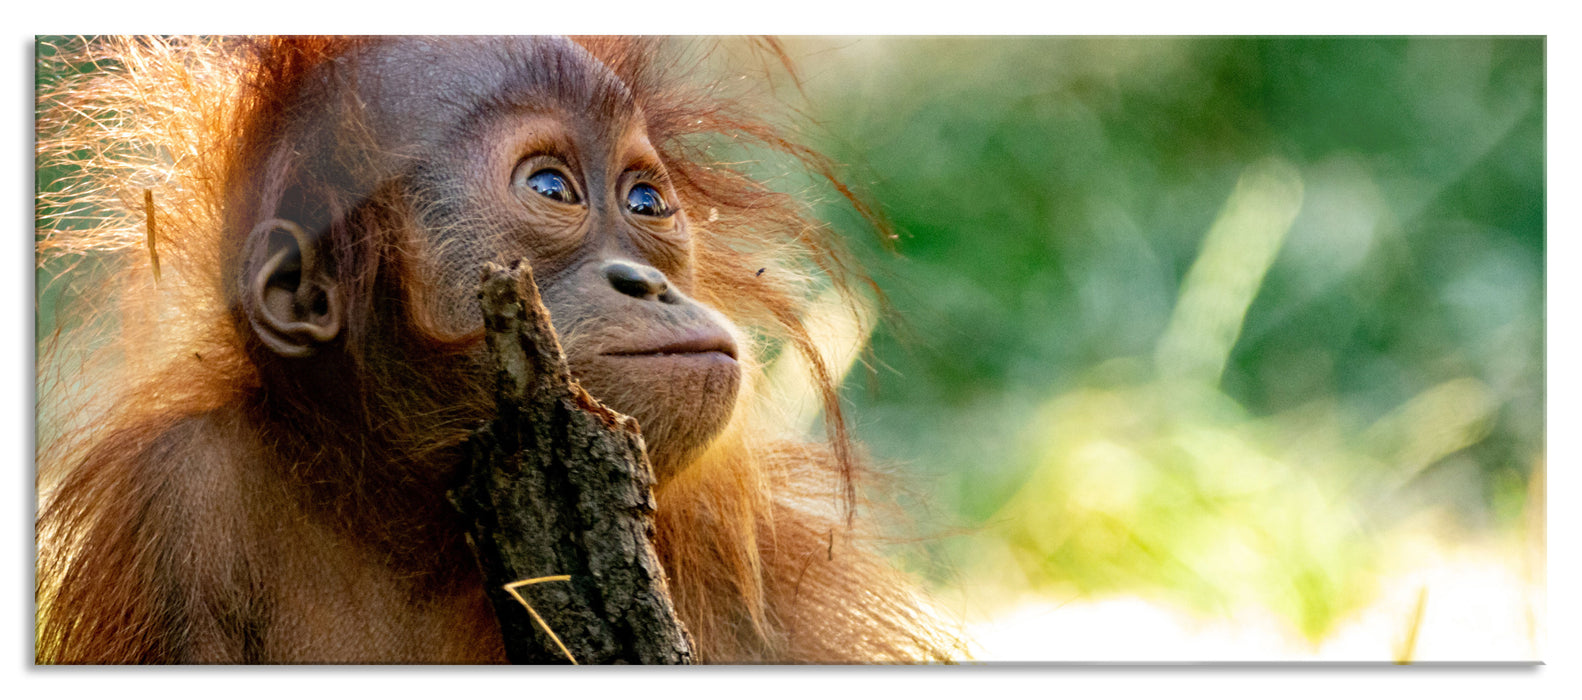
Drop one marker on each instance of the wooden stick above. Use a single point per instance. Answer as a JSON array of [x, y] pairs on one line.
[[558, 485], [148, 218]]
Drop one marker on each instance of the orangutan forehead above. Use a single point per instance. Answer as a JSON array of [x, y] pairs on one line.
[[428, 90]]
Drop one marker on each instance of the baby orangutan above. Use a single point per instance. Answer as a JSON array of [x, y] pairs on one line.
[[259, 473]]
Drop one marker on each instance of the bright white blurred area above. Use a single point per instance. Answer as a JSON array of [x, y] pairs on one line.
[[1478, 607]]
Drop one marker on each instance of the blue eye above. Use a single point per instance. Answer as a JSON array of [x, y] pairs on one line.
[[552, 184], [645, 200]]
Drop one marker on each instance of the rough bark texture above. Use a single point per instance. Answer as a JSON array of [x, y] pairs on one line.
[[559, 485]]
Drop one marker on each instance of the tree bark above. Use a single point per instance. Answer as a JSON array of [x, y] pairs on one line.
[[558, 489]]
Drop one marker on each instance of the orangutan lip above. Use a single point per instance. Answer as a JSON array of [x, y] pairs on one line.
[[695, 345]]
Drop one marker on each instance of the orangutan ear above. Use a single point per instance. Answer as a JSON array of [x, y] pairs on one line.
[[290, 297]]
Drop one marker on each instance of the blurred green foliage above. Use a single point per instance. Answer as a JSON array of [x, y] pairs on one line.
[[1052, 195]]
